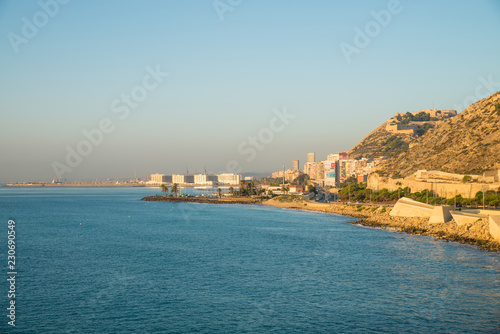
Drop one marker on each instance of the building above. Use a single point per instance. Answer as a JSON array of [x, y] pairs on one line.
[[311, 157], [295, 189], [181, 178], [315, 170], [278, 174], [229, 178], [337, 156], [330, 169], [160, 178], [295, 164], [205, 179], [362, 178]]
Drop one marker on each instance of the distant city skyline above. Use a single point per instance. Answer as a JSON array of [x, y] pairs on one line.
[[164, 85]]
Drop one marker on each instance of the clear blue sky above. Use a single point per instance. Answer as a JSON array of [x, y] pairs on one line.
[[225, 79]]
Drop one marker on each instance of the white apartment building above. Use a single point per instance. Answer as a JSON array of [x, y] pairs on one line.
[[229, 178]]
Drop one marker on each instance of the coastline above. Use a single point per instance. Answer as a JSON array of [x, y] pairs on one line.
[[474, 234], [205, 200], [73, 185]]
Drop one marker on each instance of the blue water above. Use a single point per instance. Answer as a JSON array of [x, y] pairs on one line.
[[99, 260]]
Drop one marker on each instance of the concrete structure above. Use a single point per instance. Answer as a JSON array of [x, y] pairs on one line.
[[295, 164], [229, 178], [337, 156], [442, 188], [392, 125], [205, 179], [494, 222], [315, 170], [331, 172], [407, 207], [441, 214], [492, 176], [464, 218], [362, 178], [401, 128], [160, 178], [181, 178], [296, 189], [310, 157]]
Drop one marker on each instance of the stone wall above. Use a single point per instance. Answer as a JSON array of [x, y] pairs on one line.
[[441, 188]]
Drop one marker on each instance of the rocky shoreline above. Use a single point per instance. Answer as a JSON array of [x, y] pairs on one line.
[[377, 216], [207, 200], [476, 234]]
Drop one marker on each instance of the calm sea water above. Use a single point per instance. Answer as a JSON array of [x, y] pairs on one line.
[[99, 260]]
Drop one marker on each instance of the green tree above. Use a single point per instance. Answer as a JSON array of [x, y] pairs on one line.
[[174, 189], [219, 191], [231, 190], [164, 189], [466, 178], [243, 187]]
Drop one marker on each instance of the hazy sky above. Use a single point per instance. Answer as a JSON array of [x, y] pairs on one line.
[[236, 69]]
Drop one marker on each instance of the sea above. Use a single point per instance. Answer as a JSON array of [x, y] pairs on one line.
[[100, 260]]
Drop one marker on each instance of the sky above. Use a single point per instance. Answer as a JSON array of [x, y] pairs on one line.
[[95, 90]]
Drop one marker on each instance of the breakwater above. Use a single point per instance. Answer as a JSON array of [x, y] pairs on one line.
[[208, 200]]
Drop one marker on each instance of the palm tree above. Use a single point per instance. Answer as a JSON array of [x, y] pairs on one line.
[[283, 189], [174, 189], [243, 186], [231, 190], [164, 189], [219, 191]]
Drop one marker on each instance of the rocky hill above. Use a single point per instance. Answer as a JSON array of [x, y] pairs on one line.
[[381, 143], [394, 136], [468, 143]]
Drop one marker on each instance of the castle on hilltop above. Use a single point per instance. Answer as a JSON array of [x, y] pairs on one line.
[[412, 122]]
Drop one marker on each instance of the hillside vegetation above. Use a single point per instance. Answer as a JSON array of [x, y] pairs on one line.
[[468, 143], [381, 143]]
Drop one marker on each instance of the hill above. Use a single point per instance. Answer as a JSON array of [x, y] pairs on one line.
[[465, 144], [395, 135]]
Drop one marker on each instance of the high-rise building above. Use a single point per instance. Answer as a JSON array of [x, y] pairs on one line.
[[295, 164], [331, 172], [205, 179], [310, 157], [229, 178], [180, 178], [158, 178]]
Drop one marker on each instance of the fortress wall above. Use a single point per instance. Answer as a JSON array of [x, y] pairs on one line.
[[443, 189]]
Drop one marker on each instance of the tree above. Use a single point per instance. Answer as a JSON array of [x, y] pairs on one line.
[[466, 178], [174, 189], [243, 187], [284, 189], [231, 190], [312, 189], [219, 192], [164, 189]]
